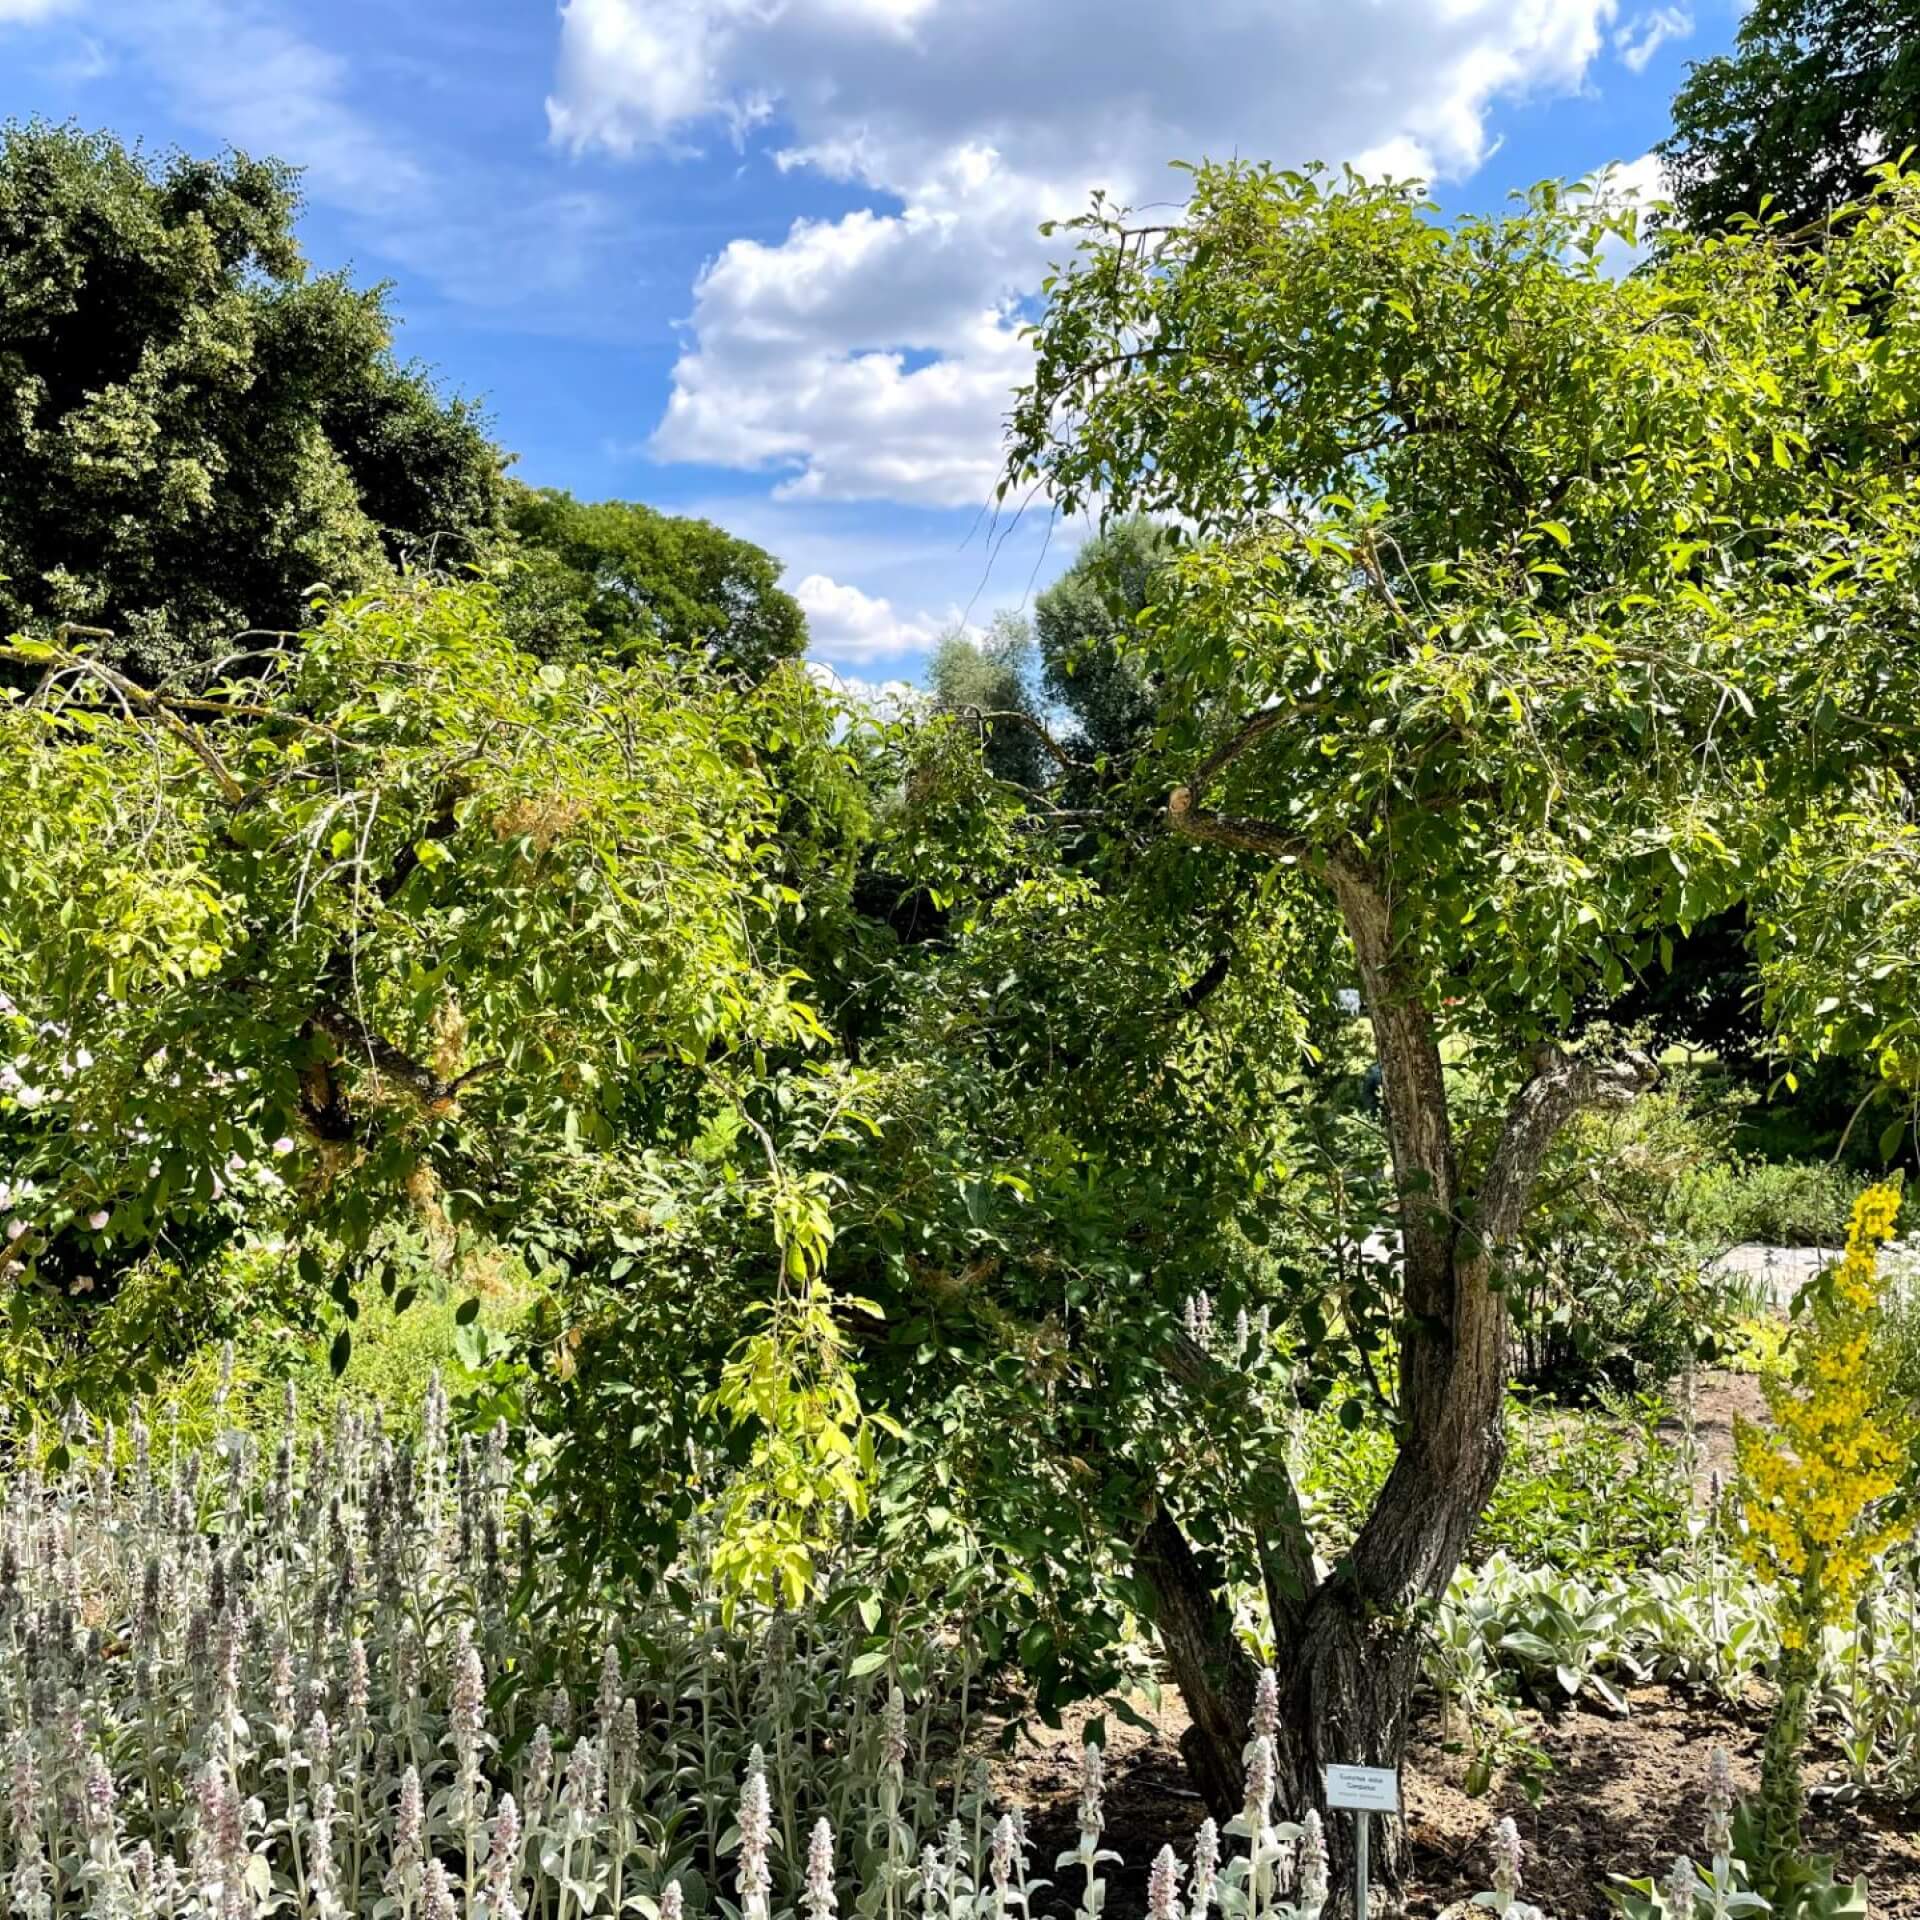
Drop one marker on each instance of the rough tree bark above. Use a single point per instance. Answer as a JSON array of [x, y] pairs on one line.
[[1348, 1646]]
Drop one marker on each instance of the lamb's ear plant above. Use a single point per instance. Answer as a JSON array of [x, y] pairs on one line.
[[297, 1723], [1089, 1856], [1203, 1883], [1718, 1891], [1503, 1897], [1163, 1887], [889, 1833]]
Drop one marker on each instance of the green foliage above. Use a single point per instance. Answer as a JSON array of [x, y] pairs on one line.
[[988, 684], [1586, 1493], [199, 430], [1484, 588], [1900, 1330], [1791, 1204], [1813, 95], [411, 950], [617, 579], [1605, 1292], [257, 1339]]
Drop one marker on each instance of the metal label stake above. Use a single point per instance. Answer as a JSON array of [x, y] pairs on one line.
[[1363, 1792]]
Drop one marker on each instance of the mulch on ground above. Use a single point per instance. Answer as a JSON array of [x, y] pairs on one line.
[[1625, 1794]]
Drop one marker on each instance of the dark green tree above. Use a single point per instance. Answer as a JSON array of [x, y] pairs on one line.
[[1813, 95], [607, 577], [1082, 623], [197, 430]]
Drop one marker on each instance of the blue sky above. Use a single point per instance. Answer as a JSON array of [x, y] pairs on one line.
[[761, 259]]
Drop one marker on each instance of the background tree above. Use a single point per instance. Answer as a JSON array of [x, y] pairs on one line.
[[1082, 624], [1507, 585], [615, 578], [198, 431], [988, 682], [1814, 94]]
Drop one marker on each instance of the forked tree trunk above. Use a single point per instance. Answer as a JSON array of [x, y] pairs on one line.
[[1348, 1648], [1346, 1667]]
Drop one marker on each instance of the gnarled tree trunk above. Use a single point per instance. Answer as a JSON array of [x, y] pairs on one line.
[[1348, 1647]]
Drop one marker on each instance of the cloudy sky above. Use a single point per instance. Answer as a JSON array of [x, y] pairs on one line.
[[761, 259]]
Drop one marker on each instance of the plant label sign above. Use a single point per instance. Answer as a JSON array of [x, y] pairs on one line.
[[1364, 1789]]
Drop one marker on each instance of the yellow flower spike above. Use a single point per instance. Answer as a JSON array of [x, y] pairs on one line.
[[1810, 1487]]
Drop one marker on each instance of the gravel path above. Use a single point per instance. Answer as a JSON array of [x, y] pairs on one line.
[[1786, 1269]]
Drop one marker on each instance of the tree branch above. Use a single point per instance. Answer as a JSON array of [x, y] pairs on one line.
[[1244, 835], [357, 1039], [982, 715], [1562, 1085], [1211, 979], [1413, 1086], [169, 710], [1236, 743]]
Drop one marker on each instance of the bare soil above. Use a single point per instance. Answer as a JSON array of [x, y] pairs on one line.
[[1625, 1795], [1719, 1401]]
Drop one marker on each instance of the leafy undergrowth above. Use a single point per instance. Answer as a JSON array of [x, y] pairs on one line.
[[339, 1674], [338, 1671]]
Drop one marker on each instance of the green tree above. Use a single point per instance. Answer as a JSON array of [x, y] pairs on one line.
[[1088, 1089], [988, 682], [198, 430], [1083, 623], [613, 577], [1533, 617], [411, 946], [1814, 94]]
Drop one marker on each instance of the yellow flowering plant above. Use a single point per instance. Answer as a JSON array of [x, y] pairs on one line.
[[1816, 1486]]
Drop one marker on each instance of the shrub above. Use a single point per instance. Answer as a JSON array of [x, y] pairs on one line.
[[1785, 1204], [1581, 1491]]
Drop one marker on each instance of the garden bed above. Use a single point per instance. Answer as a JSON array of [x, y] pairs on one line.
[[1625, 1794]]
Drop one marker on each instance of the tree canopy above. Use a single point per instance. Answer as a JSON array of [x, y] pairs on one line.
[[1530, 617], [613, 577], [198, 430], [1813, 96], [410, 944]]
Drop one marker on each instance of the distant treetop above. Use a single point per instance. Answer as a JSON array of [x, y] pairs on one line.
[[197, 429], [603, 577], [1814, 94]]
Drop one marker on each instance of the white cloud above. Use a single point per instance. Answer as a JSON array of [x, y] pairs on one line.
[[848, 625], [26, 12], [1646, 33], [870, 356], [1638, 181], [884, 699]]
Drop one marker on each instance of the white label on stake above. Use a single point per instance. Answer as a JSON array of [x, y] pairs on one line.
[[1364, 1789]]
